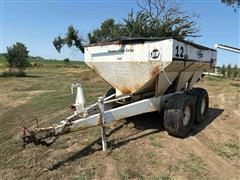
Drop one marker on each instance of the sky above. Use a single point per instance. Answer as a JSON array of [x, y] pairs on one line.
[[37, 22]]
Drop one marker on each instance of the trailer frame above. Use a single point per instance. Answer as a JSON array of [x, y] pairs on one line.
[[101, 113]]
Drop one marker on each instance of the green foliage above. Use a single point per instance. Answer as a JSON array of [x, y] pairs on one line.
[[108, 30], [229, 70], [72, 38], [156, 18], [223, 71], [3, 59], [235, 71], [17, 56], [233, 3], [66, 61]]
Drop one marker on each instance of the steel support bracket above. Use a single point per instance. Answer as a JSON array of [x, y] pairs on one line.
[[102, 123]]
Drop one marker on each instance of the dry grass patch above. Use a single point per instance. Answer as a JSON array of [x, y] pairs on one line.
[[228, 150]]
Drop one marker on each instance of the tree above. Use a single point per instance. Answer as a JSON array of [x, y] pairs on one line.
[[235, 4], [235, 71], [66, 61], [72, 38], [229, 70], [17, 56], [165, 18], [223, 70], [108, 30], [156, 18]]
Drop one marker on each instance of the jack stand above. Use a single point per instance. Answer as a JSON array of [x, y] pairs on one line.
[[80, 100], [101, 122]]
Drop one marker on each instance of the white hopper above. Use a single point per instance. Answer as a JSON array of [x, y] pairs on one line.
[[138, 65]]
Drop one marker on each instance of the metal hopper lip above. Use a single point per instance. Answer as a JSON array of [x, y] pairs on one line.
[[136, 40], [128, 40]]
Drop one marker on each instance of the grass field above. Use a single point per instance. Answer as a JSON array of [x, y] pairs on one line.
[[41, 61], [139, 148]]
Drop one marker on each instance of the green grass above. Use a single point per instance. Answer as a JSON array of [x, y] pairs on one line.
[[171, 168], [156, 144], [161, 178], [193, 166], [196, 166], [53, 62], [216, 78], [150, 155], [155, 141], [130, 173], [227, 150], [130, 167], [84, 175], [44, 94]]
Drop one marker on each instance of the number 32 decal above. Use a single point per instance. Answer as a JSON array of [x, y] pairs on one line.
[[181, 51]]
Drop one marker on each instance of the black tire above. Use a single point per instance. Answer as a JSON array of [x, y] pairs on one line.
[[201, 97], [174, 115], [110, 92]]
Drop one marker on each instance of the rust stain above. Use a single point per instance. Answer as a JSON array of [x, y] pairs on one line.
[[133, 67], [155, 71], [125, 90], [129, 90], [93, 67], [137, 86]]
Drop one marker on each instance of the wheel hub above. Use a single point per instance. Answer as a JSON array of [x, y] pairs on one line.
[[187, 115], [203, 106]]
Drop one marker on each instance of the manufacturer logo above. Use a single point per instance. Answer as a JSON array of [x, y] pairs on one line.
[[200, 54], [155, 54]]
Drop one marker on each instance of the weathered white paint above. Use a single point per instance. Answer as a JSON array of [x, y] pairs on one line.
[[80, 100], [131, 67], [122, 112]]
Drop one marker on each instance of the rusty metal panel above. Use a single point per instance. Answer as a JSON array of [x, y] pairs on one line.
[[183, 79], [134, 67], [196, 76], [128, 67], [165, 79]]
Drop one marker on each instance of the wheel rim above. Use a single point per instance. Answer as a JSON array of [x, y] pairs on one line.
[[203, 106], [187, 115]]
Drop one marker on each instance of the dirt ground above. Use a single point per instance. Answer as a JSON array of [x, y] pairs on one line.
[[139, 148]]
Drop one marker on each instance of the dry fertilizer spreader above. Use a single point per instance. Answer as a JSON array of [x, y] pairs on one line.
[[147, 75]]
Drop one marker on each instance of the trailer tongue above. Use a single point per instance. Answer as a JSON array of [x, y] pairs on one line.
[[147, 75]]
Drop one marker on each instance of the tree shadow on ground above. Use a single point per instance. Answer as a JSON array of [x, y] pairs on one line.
[[153, 121], [25, 76], [235, 84]]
